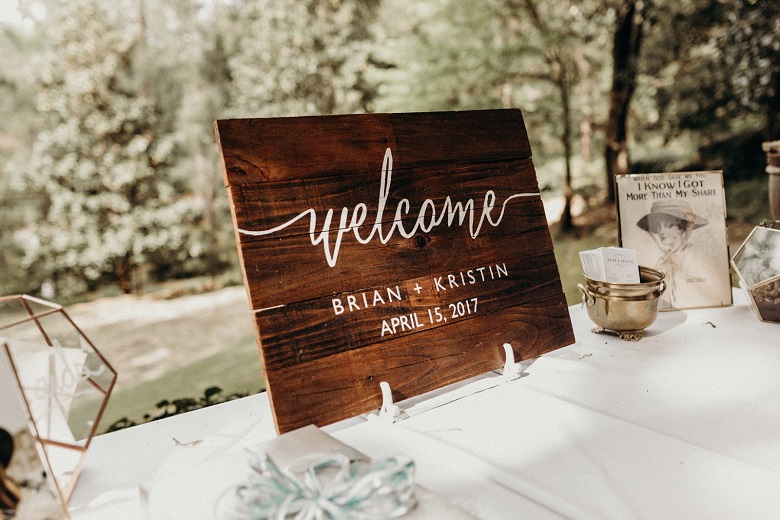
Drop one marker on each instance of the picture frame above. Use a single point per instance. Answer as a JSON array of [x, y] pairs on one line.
[[676, 222], [757, 266]]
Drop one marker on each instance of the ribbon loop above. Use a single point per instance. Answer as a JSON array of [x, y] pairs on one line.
[[333, 487]]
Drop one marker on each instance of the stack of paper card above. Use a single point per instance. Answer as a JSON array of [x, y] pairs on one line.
[[610, 264]]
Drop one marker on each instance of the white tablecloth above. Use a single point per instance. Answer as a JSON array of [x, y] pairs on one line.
[[682, 424]]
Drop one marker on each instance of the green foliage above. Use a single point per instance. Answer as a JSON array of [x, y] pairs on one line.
[[749, 37], [165, 408], [438, 56], [451, 55], [302, 58], [101, 161], [18, 120], [748, 201], [123, 181], [185, 65], [15, 279], [719, 73]]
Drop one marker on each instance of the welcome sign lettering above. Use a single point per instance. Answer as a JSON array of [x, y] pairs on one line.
[[404, 248]]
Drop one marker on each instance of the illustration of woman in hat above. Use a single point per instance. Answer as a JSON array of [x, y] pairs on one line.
[[670, 223]]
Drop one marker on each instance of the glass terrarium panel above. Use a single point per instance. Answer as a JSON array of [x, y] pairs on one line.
[[758, 260], [64, 462], [97, 372], [60, 331], [766, 297], [12, 311], [48, 378], [22, 329]]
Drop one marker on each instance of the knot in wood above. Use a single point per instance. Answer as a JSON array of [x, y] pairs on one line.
[[419, 241]]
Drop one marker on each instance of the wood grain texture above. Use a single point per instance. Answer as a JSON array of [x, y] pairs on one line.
[[322, 146], [415, 364], [398, 247]]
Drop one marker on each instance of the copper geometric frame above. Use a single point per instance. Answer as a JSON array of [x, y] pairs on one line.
[[64, 384], [757, 265]]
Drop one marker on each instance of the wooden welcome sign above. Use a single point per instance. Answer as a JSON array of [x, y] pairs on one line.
[[404, 248]]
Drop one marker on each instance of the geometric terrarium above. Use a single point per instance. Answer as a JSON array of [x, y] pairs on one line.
[[757, 263], [64, 383]]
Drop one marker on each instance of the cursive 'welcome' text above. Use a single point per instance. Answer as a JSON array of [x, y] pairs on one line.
[[428, 217]]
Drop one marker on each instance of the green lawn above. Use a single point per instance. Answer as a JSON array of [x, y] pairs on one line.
[[569, 266], [240, 360]]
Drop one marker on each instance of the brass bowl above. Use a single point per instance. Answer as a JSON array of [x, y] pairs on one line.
[[624, 308]]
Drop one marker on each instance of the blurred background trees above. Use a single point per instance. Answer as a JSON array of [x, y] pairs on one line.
[[108, 166], [101, 163], [300, 58]]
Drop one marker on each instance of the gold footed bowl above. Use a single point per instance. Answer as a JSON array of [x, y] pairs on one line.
[[624, 308]]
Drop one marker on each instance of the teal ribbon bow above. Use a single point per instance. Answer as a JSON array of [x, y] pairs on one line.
[[334, 487]]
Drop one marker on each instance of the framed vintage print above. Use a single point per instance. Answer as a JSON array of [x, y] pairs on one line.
[[677, 224]]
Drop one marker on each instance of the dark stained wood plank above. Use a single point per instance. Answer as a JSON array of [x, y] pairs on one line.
[[409, 307], [460, 137], [347, 384], [319, 146]]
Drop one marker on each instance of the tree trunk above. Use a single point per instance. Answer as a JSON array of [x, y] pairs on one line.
[[625, 58], [560, 77], [589, 92], [566, 222], [773, 113], [123, 272]]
